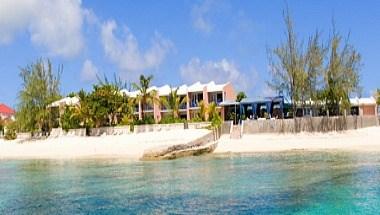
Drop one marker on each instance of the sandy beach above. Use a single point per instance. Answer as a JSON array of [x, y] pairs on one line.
[[366, 139], [133, 145], [126, 146]]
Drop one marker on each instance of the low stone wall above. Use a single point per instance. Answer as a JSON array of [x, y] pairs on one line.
[[198, 125], [157, 127], [25, 135], [80, 132], [169, 127], [119, 130], [308, 124]]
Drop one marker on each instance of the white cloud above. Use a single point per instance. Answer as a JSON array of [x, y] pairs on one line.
[[126, 53], [219, 71], [199, 15], [89, 71], [55, 25]]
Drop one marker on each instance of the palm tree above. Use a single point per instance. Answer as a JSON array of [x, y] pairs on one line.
[[145, 97], [202, 110], [174, 102], [213, 115]]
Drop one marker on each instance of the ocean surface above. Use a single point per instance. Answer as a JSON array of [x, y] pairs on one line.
[[265, 183]]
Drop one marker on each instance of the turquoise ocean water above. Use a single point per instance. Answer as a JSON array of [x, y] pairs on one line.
[[264, 183]]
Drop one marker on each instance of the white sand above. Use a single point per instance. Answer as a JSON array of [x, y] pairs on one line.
[[133, 145], [127, 146], [366, 139]]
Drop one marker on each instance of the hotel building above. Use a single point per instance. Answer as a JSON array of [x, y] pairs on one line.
[[194, 94], [364, 106]]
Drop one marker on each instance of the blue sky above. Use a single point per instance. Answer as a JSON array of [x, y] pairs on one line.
[[176, 41]]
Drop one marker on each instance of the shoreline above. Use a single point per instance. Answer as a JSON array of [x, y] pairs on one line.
[[132, 146]]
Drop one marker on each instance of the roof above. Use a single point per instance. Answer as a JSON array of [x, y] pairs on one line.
[[196, 87], [164, 90], [182, 90], [69, 101], [262, 100], [229, 103], [362, 101], [6, 110], [212, 87]]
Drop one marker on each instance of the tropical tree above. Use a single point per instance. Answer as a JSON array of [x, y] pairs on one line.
[[240, 96], [378, 97], [2, 124], [128, 111], [287, 65], [40, 87], [317, 73], [145, 97], [314, 59], [341, 74], [84, 111], [202, 110], [174, 102], [213, 115], [69, 119]]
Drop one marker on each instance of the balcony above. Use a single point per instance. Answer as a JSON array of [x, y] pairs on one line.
[[216, 97]]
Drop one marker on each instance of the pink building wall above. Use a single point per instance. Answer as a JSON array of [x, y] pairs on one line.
[[229, 92]]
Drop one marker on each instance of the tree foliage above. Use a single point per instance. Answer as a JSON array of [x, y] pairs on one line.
[[341, 74], [40, 87], [321, 74], [240, 96], [70, 120], [214, 116], [286, 65], [145, 97], [173, 102], [10, 133]]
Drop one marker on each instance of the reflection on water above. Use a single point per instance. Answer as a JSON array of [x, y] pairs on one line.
[[291, 182]]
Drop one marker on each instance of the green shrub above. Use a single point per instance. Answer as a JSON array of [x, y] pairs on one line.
[[170, 119], [1, 126], [69, 120], [196, 119], [145, 121], [10, 133], [126, 120]]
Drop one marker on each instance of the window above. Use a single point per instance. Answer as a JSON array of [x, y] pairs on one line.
[[195, 99]]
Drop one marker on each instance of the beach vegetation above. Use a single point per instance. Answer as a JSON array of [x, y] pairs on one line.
[[341, 74], [40, 87], [173, 102], [325, 74], [202, 114], [2, 124], [240, 96], [196, 119], [147, 120], [171, 119], [286, 64], [214, 115], [10, 133], [378, 96], [146, 97], [70, 120]]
